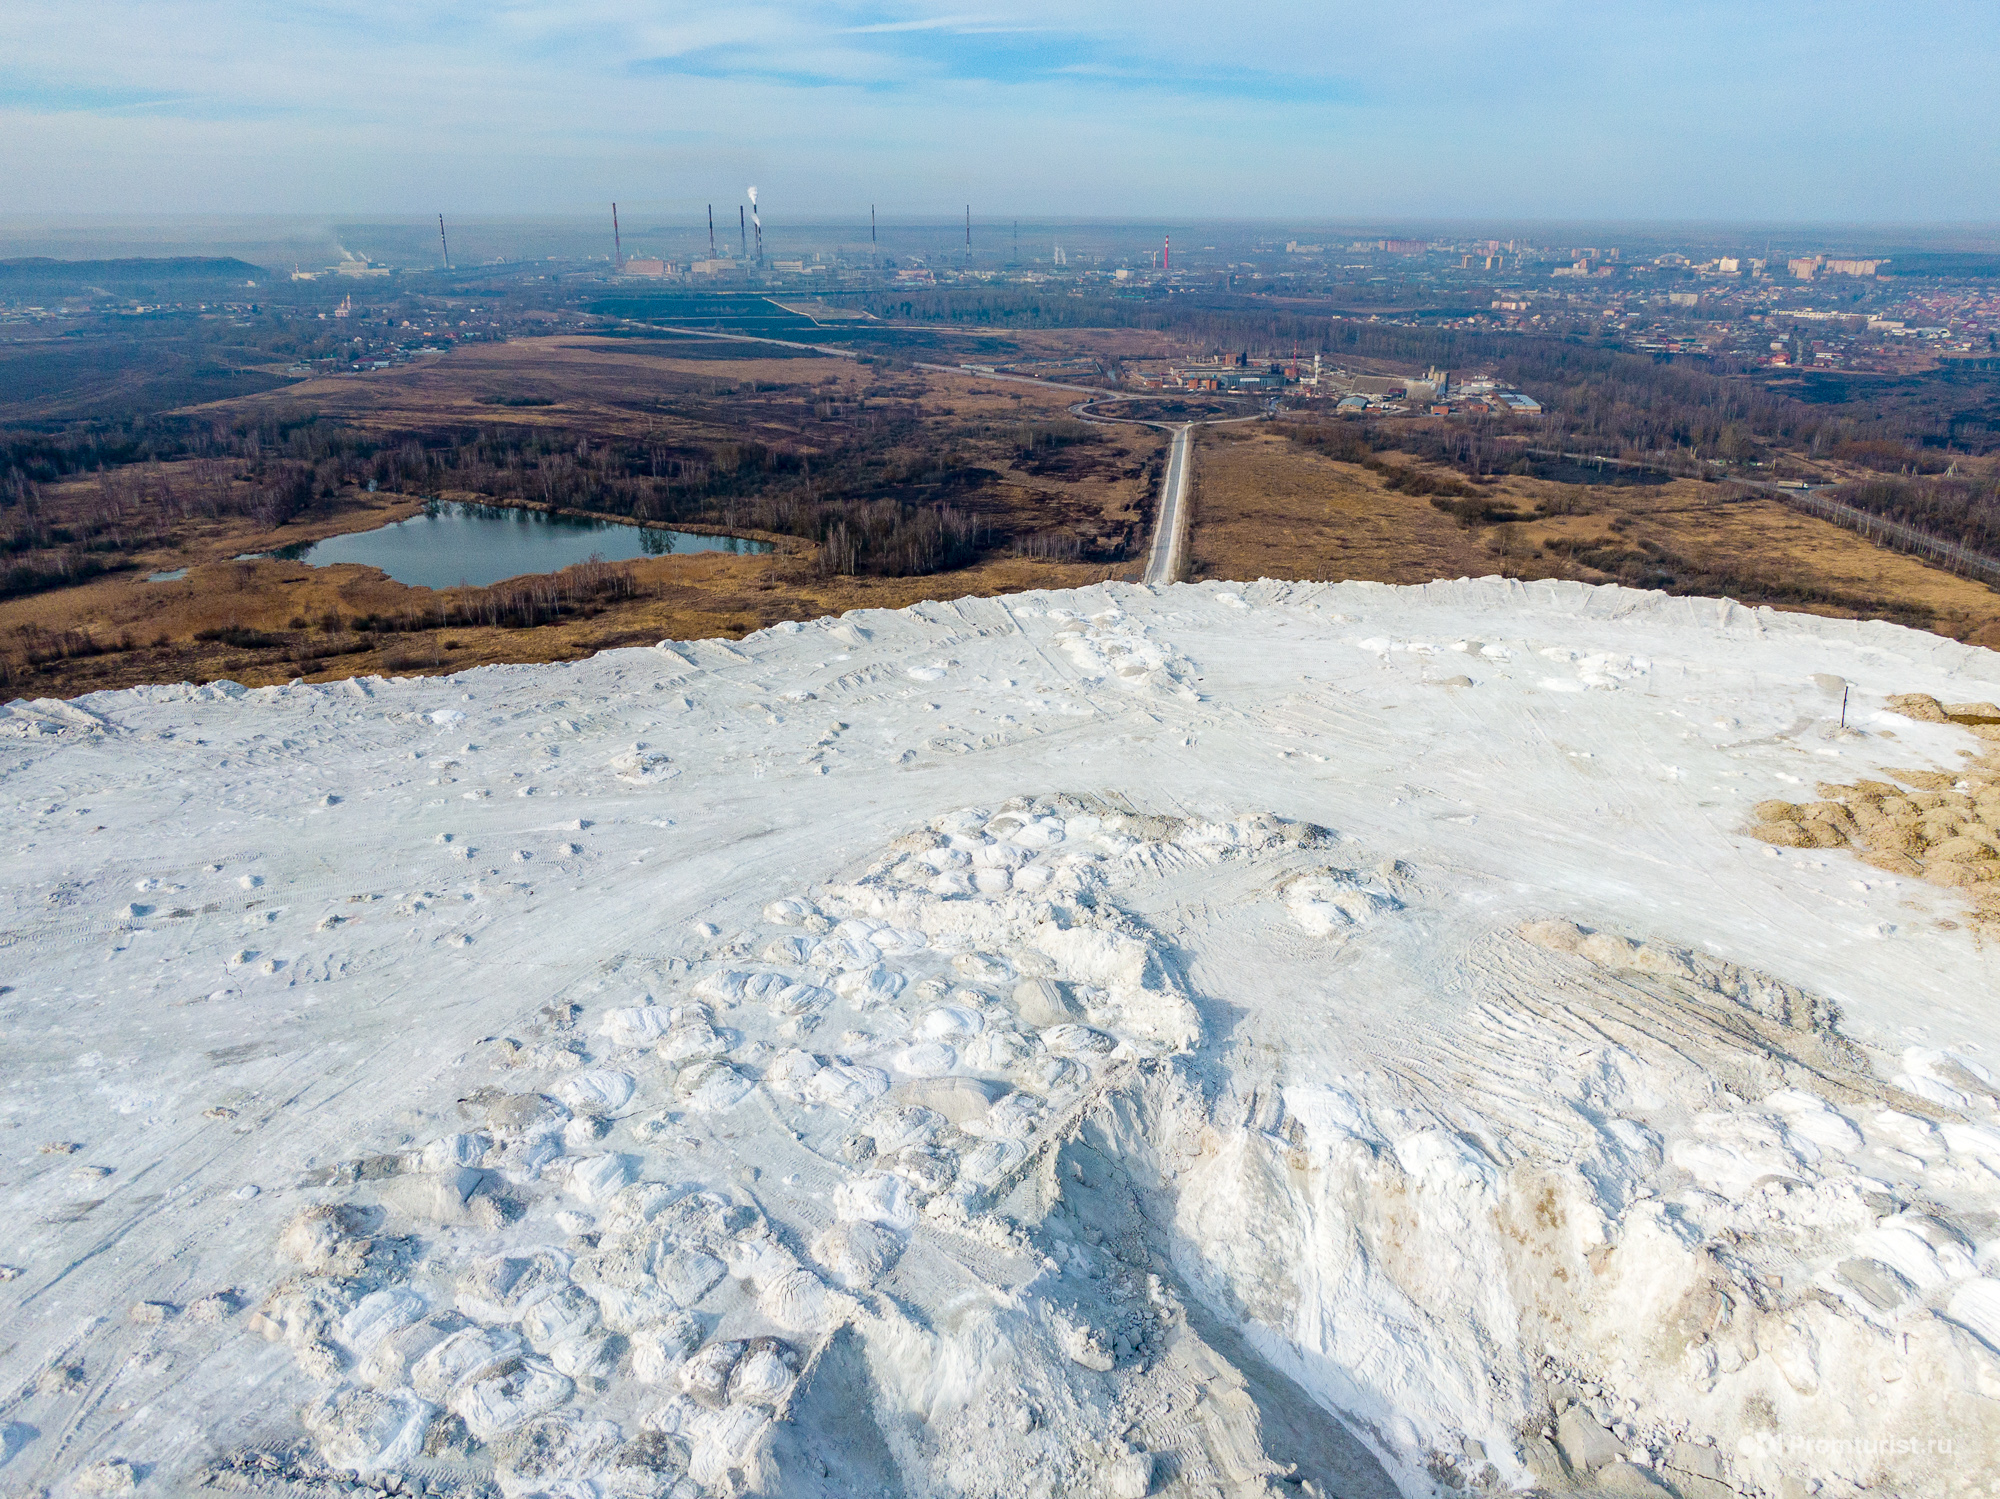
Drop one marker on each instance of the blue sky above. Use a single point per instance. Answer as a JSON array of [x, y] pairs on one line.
[[1759, 109]]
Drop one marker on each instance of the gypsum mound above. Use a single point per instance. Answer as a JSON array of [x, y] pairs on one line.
[[991, 1185], [902, 1048]]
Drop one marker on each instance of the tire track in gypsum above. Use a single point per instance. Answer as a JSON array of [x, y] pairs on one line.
[[1699, 1032], [1598, 1022], [1518, 1038]]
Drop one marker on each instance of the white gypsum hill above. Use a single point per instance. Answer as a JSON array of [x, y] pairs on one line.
[[1224, 1039]]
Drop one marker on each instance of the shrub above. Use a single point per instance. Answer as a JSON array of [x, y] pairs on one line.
[[241, 637]]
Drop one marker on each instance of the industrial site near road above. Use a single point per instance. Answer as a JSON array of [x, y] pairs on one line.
[[1291, 1039]]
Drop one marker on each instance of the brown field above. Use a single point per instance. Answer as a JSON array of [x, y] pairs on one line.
[[700, 596], [605, 386], [118, 630], [1264, 507]]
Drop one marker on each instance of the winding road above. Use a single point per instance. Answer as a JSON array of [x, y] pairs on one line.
[[1166, 555]]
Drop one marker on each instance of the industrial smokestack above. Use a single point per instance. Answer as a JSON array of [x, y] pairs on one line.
[[871, 223], [968, 226], [1167, 257], [711, 231], [757, 223], [742, 229], [443, 244], [617, 244]]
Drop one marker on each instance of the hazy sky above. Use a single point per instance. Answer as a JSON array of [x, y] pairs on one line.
[[1659, 109]]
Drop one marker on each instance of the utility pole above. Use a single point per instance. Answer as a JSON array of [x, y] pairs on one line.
[[444, 244]]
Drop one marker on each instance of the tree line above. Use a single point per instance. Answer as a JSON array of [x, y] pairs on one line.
[[889, 495]]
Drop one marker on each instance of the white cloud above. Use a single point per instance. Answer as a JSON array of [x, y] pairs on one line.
[[928, 23]]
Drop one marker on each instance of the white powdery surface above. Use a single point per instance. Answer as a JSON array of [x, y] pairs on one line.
[[1185, 1041]]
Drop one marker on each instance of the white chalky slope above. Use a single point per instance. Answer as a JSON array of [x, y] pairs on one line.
[[1273, 1039]]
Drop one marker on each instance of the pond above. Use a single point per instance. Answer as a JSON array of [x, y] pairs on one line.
[[452, 544]]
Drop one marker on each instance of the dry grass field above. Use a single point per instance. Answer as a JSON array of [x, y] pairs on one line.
[[606, 386], [1265, 507], [152, 629], [267, 620]]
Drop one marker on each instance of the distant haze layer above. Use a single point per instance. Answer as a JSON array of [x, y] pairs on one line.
[[153, 245]]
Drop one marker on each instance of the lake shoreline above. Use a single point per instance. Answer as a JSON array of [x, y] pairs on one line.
[[453, 543], [778, 541]]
